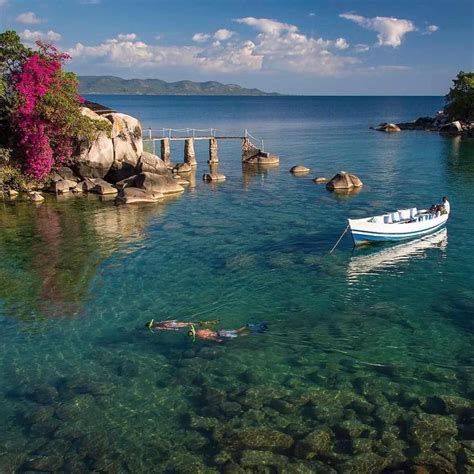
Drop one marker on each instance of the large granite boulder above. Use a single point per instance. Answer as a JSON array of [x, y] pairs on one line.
[[127, 144], [157, 183], [132, 195], [344, 180], [452, 128], [149, 163], [95, 158], [388, 127]]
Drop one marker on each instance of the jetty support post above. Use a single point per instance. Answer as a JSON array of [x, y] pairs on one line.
[[189, 154], [213, 158], [248, 148], [165, 150]]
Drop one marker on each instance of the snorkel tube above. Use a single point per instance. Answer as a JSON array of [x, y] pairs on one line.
[[193, 332], [149, 325]]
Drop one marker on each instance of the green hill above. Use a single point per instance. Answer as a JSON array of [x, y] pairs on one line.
[[117, 85]]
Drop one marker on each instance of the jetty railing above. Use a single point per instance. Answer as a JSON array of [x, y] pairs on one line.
[[214, 134]]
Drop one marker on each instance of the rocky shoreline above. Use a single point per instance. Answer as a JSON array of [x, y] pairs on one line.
[[441, 123], [114, 164]]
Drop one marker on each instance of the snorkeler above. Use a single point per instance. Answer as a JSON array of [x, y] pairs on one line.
[[175, 325], [226, 334]]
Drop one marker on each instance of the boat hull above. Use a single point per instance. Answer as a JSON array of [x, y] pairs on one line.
[[363, 232]]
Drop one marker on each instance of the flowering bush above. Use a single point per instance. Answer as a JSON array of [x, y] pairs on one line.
[[43, 107]]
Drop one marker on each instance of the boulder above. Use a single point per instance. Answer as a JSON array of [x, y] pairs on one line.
[[344, 180], [127, 145], [316, 443], [452, 127], [157, 183], [319, 179], [149, 163], [388, 127], [87, 185], [208, 177], [132, 195], [103, 187], [96, 157], [63, 186], [35, 196], [262, 158], [299, 169], [11, 193], [426, 429], [66, 173], [125, 183], [182, 168]]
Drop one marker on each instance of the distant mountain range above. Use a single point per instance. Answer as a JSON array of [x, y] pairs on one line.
[[117, 85]]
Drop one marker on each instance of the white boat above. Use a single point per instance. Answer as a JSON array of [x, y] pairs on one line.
[[399, 225], [362, 265]]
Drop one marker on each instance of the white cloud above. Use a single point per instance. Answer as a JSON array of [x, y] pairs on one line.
[[341, 43], [270, 27], [390, 30], [200, 37], [431, 29], [32, 36], [127, 37], [361, 48], [223, 34], [276, 46], [312, 14], [29, 18], [3, 3]]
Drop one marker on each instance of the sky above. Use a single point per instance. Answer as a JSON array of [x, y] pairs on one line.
[[318, 47]]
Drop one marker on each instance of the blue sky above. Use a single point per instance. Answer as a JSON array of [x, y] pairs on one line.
[[324, 47]]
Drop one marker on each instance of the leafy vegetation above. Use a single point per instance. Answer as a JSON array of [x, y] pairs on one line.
[[40, 108], [460, 99]]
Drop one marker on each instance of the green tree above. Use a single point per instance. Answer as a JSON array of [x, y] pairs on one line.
[[460, 99]]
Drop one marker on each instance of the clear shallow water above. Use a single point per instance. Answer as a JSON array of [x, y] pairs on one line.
[[359, 345]]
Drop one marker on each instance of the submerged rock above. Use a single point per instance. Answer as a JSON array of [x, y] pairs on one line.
[[426, 429], [132, 195], [44, 463], [317, 443], [256, 438], [319, 179], [252, 458]]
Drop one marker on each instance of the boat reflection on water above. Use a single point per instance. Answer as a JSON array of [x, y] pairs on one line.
[[368, 264]]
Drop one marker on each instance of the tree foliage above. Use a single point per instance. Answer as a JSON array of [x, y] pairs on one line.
[[460, 99], [41, 106]]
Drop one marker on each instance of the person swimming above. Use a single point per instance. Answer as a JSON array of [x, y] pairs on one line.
[[175, 325], [226, 334]]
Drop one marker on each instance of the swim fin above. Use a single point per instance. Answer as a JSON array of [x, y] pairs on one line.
[[259, 326]]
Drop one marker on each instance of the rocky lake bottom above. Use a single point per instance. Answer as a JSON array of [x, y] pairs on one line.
[[367, 365]]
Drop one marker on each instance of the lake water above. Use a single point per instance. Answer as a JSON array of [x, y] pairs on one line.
[[368, 361]]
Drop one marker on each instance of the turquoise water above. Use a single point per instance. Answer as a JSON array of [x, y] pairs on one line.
[[368, 363]]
